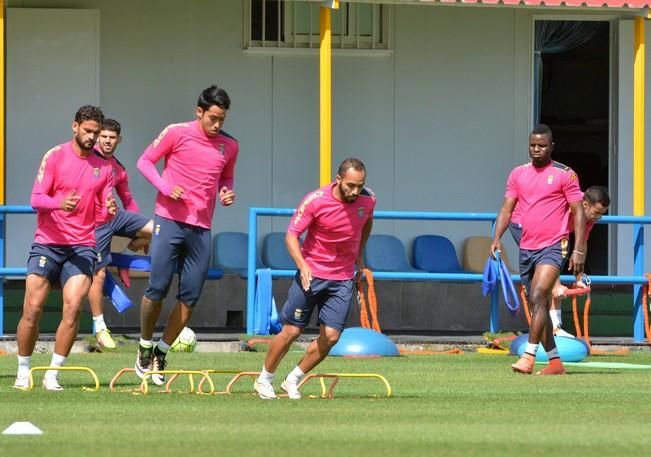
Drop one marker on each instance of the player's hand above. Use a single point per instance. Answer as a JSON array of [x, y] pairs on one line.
[[306, 277], [177, 193], [577, 263], [496, 246], [226, 196], [559, 291], [70, 201], [360, 263], [111, 205]]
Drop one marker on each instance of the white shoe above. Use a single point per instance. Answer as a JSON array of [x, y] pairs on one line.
[[291, 389], [558, 331], [21, 383], [264, 389], [51, 383]]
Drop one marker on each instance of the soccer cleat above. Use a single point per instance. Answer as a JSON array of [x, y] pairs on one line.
[[264, 389], [21, 383], [158, 364], [558, 331], [555, 367], [143, 361], [524, 365], [51, 383], [104, 339], [292, 390]]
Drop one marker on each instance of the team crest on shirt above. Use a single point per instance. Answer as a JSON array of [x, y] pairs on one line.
[[157, 229], [42, 261], [222, 148], [96, 172], [99, 257], [573, 176], [360, 212], [550, 179]]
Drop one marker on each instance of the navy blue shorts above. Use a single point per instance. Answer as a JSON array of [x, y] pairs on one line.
[[125, 223], [555, 255], [181, 248], [332, 297], [60, 263], [516, 232]]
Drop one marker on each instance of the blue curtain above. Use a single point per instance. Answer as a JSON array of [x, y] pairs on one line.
[[554, 37]]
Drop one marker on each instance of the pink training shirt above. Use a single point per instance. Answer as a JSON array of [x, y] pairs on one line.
[[200, 164], [334, 231], [544, 194], [121, 185], [61, 172]]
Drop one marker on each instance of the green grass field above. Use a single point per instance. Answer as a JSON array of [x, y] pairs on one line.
[[448, 405]]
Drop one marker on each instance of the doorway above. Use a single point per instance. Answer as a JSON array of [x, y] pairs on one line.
[[575, 103]]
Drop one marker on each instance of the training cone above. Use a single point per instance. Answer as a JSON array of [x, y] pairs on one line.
[[22, 428]]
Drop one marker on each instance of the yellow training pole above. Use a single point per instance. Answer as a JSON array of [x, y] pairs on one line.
[[325, 94], [638, 118]]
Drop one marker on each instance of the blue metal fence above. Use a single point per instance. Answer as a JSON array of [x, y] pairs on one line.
[[638, 280]]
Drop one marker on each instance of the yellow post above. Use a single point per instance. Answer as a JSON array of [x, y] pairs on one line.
[[2, 105], [325, 94], [638, 118]]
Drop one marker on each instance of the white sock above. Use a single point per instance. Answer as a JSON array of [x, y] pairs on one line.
[[295, 376], [163, 346], [99, 324], [531, 349], [57, 361], [265, 376], [553, 354], [555, 315], [23, 366], [146, 343]]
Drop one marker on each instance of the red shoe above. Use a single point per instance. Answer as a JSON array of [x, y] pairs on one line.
[[555, 367], [524, 365], [123, 273]]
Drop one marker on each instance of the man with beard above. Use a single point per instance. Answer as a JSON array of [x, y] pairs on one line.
[[549, 194], [72, 186], [127, 223], [338, 218]]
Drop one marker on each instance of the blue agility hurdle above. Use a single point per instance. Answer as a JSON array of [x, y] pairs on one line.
[[638, 279]]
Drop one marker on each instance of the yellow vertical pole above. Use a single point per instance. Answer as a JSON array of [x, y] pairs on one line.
[[325, 94], [638, 118]]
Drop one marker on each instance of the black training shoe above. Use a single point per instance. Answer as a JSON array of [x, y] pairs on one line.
[[143, 361], [158, 364]]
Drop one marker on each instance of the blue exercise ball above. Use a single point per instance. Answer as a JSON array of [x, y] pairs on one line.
[[364, 342], [569, 349]]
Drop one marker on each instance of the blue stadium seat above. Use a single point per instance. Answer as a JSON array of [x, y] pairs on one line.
[[435, 254], [386, 253], [275, 254], [230, 253]]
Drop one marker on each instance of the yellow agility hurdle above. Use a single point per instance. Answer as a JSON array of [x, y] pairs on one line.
[[86, 369], [328, 391], [144, 386], [238, 374]]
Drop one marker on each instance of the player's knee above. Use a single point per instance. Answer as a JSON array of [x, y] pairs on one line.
[[100, 275], [330, 338], [538, 296], [291, 332]]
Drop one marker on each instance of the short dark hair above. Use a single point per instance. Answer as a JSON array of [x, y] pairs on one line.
[[597, 194], [542, 129], [214, 96], [112, 125], [89, 113], [349, 163]]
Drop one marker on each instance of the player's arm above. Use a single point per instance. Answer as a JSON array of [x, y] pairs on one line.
[[577, 259], [294, 249], [41, 197], [299, 223], [147, 164], [502, 223], [226, 181]]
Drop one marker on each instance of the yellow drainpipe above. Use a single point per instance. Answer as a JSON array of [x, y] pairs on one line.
[[325, 94]]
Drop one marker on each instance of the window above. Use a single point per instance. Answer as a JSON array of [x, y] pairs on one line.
[[287, 25]]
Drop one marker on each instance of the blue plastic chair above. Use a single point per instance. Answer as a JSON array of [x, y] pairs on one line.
[[230, 253], [275, 254], [386, 253], [435, 254]]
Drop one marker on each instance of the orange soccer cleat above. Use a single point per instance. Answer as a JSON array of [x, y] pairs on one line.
[[525, 364]]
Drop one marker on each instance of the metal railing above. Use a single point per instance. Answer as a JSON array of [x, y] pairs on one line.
[[637, 280]]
